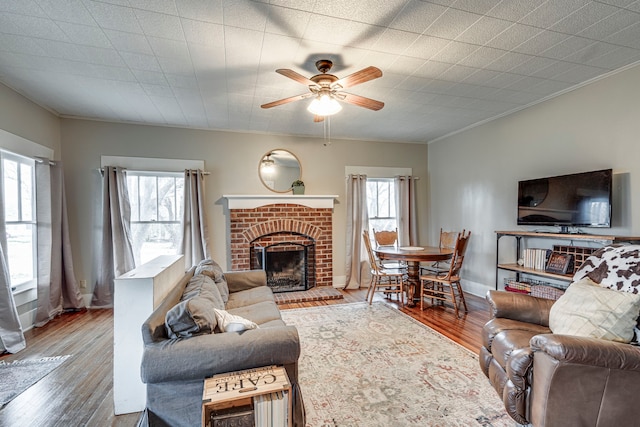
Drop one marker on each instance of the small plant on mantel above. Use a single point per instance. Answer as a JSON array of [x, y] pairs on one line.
[[297, 186]]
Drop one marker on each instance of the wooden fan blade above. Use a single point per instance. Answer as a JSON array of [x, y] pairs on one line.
[[318, 119], [361, 101], [296, 76], [358, 77], [286, 100]]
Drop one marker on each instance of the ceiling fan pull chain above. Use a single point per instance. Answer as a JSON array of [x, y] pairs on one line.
[[327, 131], [324, 130]]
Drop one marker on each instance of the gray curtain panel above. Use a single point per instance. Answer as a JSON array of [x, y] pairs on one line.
[[195, 241], [57, 286], [357, 222], [116, 256], [10, 329], [405, 187]]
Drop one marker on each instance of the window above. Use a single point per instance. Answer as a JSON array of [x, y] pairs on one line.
[[381, 203], [20, 219], [156, 200]]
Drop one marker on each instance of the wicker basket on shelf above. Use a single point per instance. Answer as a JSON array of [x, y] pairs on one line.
[[546, 291]]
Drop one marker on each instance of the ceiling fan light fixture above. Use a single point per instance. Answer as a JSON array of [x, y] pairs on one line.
[[325, 90], [324, 105]]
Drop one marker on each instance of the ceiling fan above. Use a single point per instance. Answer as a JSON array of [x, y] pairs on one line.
[[327, 89]]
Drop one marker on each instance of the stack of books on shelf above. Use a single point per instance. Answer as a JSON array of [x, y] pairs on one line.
[[271, 409], [251, 398], [536, 259]]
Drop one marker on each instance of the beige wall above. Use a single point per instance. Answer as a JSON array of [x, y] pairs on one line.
[[232, 159], [474, 174], [29, 130], [22, 117]]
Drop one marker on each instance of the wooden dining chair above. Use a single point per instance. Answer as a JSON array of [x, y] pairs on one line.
[[446, 286], [385, 237], [388, 238], [391, 280], [447, 241]]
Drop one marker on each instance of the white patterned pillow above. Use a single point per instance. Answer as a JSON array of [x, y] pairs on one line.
[[589, 310], [613, 267], [228, 322]]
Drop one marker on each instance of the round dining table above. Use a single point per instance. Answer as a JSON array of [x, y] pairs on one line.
[[413, 256]]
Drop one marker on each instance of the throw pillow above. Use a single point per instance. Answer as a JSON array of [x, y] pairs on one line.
[[228, 322], [212, 269], [194, 314], [614, 267], [589, 310], [201, 285]]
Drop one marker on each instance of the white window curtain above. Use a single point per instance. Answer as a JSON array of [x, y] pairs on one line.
[[10, 329], [116, 252], [406, 210], [57, 287], [195, 241], [357, 222]]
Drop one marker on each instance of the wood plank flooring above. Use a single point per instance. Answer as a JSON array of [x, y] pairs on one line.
[[80, 392]]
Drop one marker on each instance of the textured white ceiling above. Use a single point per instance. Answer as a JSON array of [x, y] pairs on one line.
[[447, 64]]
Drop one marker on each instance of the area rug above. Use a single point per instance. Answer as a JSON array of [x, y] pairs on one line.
[[17, 376], [372, 365]]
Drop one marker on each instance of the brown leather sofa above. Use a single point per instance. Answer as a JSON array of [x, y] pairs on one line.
[[550, 380]]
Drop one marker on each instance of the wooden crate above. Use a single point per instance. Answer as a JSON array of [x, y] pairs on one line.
[[580, 254], [235, 391]]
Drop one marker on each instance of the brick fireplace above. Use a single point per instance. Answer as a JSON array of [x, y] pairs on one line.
[[287, 221]]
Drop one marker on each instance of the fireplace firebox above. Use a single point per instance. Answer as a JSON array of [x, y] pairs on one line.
[[288, 265]]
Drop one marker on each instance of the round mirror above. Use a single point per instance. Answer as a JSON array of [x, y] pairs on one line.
[[278, 169]]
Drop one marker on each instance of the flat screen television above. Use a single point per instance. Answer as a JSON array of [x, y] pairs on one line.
[[576, 200]]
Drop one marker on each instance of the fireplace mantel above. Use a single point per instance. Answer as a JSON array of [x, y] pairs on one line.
[[242, 201]]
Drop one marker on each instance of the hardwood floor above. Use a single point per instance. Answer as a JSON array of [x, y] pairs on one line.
[[79, 393]]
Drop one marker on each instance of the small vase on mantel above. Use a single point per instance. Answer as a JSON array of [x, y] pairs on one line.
[[297, 186]]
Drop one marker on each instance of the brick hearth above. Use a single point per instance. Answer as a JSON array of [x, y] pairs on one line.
[[278, 222]]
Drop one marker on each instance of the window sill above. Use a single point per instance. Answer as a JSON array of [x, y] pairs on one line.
[[24, 287]]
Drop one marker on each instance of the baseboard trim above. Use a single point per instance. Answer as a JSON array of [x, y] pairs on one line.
[[475, 288], [27, 320]]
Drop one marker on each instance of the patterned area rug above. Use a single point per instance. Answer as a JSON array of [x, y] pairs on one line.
[[372, 365], [16, 377]]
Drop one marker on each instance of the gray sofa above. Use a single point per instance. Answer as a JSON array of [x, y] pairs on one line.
[[174, 369]]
